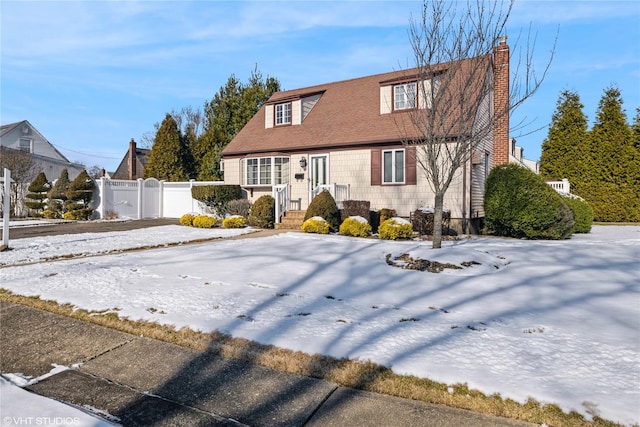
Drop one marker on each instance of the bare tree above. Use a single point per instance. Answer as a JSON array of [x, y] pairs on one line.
[[463, 92], [23, 170]]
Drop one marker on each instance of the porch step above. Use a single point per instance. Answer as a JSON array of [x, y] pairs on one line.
[[292, 220]]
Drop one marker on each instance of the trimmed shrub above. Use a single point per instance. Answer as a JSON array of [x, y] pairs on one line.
[[315, 224], [240, 207], [263, 212], [79, 196], [58, 193], [204, 221], [234, 221], [324, 206], [355, 226], [582, 213], [37, 195], [69, 216], [216, 196], [422, 220], [359, 208], [518, 203], [395, 228], [187, 219]]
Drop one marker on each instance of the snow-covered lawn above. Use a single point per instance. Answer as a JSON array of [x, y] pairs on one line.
[[558, 321]]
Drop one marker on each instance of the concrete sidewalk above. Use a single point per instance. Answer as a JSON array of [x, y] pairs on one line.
[[146, 382]]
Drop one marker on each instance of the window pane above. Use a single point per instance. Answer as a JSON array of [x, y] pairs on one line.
[[399, 166], [252, 171], [265, 171], [410, 93], [387, 158]]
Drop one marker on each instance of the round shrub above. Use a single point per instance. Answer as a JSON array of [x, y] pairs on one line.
[[324, 206], [355, 226], [395, 228], [204, 221], [315, 224], [234, 221], [582, 213], [187, 219], [240, 207], [69, 216], [518, 203], [263, 212]]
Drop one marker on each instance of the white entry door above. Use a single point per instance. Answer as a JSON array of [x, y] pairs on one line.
[[319, 170]]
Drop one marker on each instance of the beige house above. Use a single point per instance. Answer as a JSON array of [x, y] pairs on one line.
[[348, 136]]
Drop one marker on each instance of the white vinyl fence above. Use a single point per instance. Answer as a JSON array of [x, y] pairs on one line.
[[147, 198]]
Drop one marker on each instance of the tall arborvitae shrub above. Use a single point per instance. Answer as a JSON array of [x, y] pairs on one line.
[[324, 205], [518, 203], [79, 197], [170, 158], [58, 194], [613, 175], [37, 195], [564, 151]]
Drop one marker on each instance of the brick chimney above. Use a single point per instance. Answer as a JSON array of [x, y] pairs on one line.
[[501, 102], [132, 159]]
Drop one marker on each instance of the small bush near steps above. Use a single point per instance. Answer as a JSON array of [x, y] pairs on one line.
[[234, 221], [324, 206], [204, 221], [187, 219], [316, 225], [355, 226], [395, 228], [263, 212]]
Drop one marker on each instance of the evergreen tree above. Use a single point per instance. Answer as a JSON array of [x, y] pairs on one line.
[[169, 159], [636, 130], [79, 196], [613, 176], [58, 194], [37, 195], [225, 115], [564, 151]]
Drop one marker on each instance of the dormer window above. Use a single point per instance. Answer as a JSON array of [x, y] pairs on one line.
[[405, 96], [283, 114]]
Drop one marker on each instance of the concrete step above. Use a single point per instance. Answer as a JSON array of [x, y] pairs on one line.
[[292, 220]]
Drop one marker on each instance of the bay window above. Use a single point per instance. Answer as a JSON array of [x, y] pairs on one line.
[[264, 171]]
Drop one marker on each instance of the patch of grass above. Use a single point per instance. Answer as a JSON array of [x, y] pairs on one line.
[[363, 375]]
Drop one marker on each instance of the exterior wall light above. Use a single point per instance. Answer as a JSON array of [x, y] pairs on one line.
[[303, 162]]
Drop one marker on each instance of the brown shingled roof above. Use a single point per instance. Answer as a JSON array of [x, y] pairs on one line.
[[347, 114]]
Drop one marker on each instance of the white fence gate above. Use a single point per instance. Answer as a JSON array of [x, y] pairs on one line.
[[147, 198]]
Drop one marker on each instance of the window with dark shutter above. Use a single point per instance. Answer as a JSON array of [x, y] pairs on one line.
[[376, 170]]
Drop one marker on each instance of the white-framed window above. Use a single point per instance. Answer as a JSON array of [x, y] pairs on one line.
[[404, 96], [393, 162], [25, 144], [266, 171], [283, 114]]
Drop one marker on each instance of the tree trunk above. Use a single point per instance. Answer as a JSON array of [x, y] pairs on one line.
[[437, 221]]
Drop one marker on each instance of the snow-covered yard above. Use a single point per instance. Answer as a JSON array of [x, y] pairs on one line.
[[558, 321]]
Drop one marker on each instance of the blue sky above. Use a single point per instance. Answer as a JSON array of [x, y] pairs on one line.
[[91, 75]]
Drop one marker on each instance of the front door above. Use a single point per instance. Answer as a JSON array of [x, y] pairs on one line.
[[319, 170]]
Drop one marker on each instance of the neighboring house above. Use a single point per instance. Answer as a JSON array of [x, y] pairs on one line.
[[517, 156], [133, 163], [23, 136], [345, 136]]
